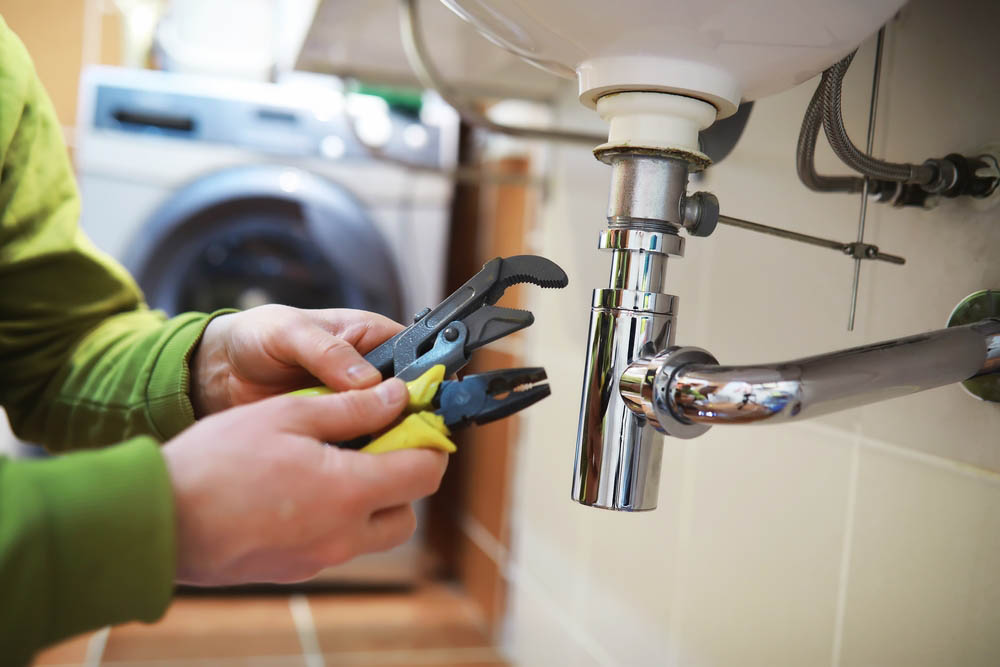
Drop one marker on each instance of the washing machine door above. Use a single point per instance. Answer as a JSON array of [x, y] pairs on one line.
[[245, 236]]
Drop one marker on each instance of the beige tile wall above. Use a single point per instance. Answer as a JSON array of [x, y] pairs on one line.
[[867, 538]]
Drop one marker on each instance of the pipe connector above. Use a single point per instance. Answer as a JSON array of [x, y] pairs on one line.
[[645, 387], [664, 123], [956, 175]]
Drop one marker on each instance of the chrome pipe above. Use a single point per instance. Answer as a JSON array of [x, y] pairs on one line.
[[645, 188], [618, 451], [642, 272], [707, 394]]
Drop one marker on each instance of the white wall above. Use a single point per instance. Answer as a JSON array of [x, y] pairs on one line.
[[870, 537]]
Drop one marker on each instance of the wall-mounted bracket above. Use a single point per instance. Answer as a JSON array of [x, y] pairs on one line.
[[977, 306]]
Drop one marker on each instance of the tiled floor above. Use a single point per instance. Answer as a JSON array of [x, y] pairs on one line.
[[432, 625]]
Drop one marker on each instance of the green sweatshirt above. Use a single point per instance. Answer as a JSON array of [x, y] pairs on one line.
[[86, 539]]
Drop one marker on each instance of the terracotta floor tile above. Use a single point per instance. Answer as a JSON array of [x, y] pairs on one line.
[[69, 652], [484, 658], [223, 626], [432, 626], [240, 661], [431, 617]]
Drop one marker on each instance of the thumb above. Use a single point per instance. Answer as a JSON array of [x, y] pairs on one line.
[[337, 417]]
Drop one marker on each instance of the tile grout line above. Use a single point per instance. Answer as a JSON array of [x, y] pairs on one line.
[[843, 578], [95, 647], [583, 639], [431, 657], [415, 656], [933, 460], [685, 513], [510, 571], [582, 586], [305, 626], [495, 551], [479, 535], [683, 536]]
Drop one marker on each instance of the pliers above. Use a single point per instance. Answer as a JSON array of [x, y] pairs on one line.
[[441, 341], [466, 320], [438, 405]]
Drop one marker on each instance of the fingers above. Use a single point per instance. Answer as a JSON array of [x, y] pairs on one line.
[[343, 416], [397, 478], [332, 359], [331, 345], [389, 527], [406, 476], [364, 330]]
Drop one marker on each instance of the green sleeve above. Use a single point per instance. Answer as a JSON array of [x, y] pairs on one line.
[[86, 540], [83, 361]]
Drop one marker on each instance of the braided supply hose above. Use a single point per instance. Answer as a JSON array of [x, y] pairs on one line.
[[805, 153], [831, 85]]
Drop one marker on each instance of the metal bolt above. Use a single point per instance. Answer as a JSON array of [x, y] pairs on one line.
[[419, 316], [450, 334]]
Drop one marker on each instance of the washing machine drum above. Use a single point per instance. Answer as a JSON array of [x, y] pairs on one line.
[[247, 236]]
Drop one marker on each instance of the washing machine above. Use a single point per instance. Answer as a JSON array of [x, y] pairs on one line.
[[222, 193], [215, 192]]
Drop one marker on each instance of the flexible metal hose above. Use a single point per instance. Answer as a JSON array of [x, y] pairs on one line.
[[805, 153], [833, 124]]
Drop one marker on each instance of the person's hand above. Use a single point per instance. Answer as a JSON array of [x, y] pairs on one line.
[[259, 498], [269, 350]]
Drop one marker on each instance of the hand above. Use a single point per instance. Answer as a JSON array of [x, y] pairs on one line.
[[259, 498], [269, 350]]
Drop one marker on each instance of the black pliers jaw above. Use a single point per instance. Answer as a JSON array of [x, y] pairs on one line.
[[485, 397], [466, 320], [478, 399]]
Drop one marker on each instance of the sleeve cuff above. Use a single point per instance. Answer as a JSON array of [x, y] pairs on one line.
[[109, 535], [167, 396]]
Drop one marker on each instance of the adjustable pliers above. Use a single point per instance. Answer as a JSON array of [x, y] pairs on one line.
[[441, 341], [466, 320]]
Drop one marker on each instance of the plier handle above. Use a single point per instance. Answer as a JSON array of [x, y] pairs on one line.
[[437, 405]]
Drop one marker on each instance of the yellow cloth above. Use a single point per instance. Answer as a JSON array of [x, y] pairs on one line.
[[420, 428], [423, 389]]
